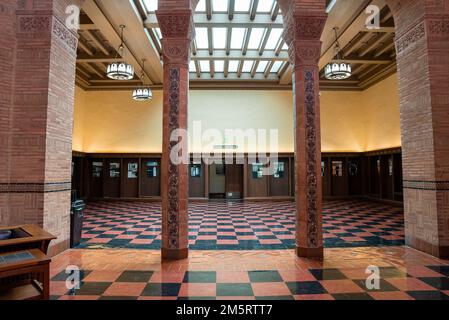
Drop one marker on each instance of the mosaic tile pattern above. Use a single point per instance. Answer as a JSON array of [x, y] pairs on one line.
[[241, 225], [123, 274]]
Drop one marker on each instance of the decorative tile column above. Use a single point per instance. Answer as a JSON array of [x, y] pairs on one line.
[[303, 25], [422, 46], [38, 53], [177, 32]]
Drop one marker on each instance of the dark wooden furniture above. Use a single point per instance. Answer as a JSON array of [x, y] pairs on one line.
[[24, 275], [26, 237]]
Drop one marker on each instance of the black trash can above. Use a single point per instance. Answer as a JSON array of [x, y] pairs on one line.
[[76, 222]]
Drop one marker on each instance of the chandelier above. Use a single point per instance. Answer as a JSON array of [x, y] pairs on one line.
[[143, 93], [337, 70], [120, 70]]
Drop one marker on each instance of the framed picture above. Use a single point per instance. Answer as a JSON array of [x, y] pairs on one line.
[[195, 170], [97, 169], [152, 169], [257, 170], [353, 169], [132, 170], [220, 169], [337, 168], [279, 169], [114, 170]]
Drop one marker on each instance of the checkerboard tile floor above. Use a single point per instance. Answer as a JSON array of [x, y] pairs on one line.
[[405, 274], [241, 225]]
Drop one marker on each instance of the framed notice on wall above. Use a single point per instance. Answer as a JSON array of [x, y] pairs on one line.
[[114, 170], [133, 170], [152, 170], [97, 169]]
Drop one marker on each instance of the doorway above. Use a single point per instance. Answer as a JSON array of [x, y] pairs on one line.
[[225, 181]]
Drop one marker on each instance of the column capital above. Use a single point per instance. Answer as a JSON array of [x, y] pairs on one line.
[[302, 33], [176, 24]]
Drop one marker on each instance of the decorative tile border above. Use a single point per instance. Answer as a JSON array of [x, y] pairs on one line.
[[426, 185], [35, 187]]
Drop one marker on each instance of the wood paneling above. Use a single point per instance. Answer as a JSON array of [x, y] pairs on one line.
[[150, 177], [130, 187], [111, 182], [96, 180], [366, 182], [234, 181], [257, 187], [197, 185], [278, 186]]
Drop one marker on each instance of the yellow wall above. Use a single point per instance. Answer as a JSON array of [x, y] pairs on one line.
[[350, 121]]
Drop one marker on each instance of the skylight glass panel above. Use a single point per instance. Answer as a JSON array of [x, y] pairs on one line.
[[219, 65], [265, 5], [262, 66], [220, 5], [233, 65], [273, 39], [247, 66], [276, 66], [238, 35], [205, 66], [256, 38], [151, 5], [242, 5], [285, 47], [201, 38], [201, 6], [219, 36], [192, 66], [158, 33]]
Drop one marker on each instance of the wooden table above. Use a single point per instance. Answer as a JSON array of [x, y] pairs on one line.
[[24, 275], [27, 237]]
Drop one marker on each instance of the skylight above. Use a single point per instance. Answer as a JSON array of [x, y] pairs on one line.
[[238, 34], [219, 65], [262, 66], [151, 5], [256, 38], [202, 41], [273, 39], [233, 66], [158, 33], [220, 5], [276, 66], [192, 66], [201, 6], [265, 6], [219, 37], [247, 65], [205, 66], [242, 5]]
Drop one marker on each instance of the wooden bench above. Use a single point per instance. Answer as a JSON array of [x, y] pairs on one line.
[[24, 275]]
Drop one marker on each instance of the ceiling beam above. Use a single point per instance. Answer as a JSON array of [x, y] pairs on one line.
[[231, 9], [381, 38], [221, 54], [209, 9], [98, 43], [253, 9], [349, 33], [221, 20], [275, 11]]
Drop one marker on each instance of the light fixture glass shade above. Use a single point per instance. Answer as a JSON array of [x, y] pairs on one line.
[[120, 71], [338, 71], [142, 94]]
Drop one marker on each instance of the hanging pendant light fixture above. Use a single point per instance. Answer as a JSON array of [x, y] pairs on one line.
[[120, 70], [144, 92], [338, 70]]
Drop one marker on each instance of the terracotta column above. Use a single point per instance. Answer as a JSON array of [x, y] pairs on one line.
[[38, 53], [176, 23], [303, 23], [422, 46]]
